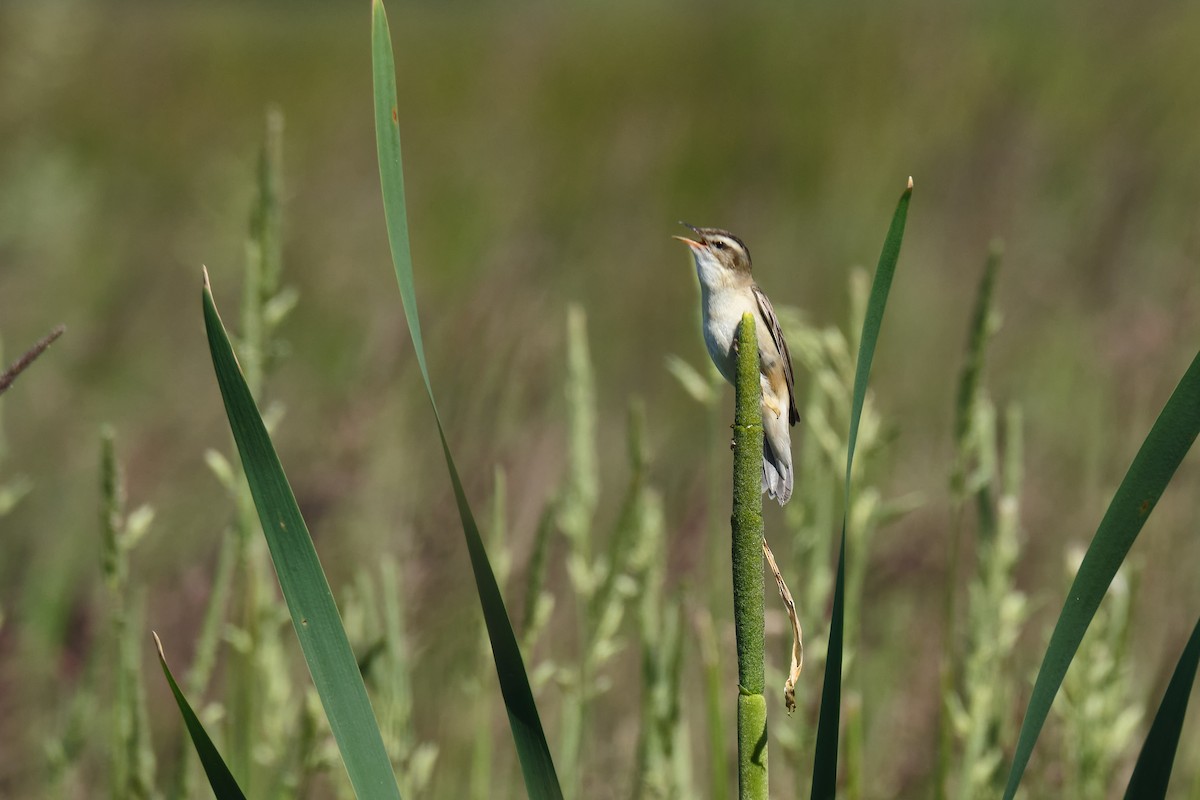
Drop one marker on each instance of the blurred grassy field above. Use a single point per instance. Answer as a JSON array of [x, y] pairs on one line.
[[549, 151]]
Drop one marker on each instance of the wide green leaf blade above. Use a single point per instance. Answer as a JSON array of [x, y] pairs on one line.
[[1153, 770], [221, 780], [314, 614], [1152, 468], [537, 766], [825, 759]]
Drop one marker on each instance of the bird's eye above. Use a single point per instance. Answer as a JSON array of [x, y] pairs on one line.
[[719, 244]]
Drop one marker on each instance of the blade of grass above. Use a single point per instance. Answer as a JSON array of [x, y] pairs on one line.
[[219, 777], [314, 614], [537, 766], [1152, 773], [825, 759], [1152, 468]]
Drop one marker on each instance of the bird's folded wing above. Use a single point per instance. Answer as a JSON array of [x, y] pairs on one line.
[[772, 323]]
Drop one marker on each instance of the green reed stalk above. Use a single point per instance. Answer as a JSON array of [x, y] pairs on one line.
[[132, 765], [259, 698], [718, 770], [967, 711], [576, 510], [748, 568]]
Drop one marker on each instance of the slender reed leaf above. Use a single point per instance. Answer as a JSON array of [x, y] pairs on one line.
[[1153, 770], [219, 777], [825, 761], [1152, 468], [314, 614], [537, 766]]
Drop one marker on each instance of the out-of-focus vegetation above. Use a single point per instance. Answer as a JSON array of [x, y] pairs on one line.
[[548, 153]]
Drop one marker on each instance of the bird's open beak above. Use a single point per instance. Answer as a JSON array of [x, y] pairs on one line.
[[692, 243]]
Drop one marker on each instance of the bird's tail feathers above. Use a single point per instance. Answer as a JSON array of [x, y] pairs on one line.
[[777, 474]]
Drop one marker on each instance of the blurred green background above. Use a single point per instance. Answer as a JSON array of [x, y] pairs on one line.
[[549, 151]]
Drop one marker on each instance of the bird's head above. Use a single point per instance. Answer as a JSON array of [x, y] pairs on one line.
[[721, 258]]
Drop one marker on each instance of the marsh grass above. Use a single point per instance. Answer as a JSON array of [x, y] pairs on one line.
[[619, 576], [132, 762], [262, 706], [374, 614], [1098, 710], [482, 771], [610, 573], [986, 477], [823, 355], [273, 727], [275, 737]]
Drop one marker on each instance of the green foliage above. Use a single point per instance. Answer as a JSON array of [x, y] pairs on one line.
[[996, 611], [988, 468], [825, 760], [374, 614], [603, 585], [1153, 770], [1096, 705], [570, 171], [714, 701], [967, 439], [265, 301], [530, 739], [278, 732], [823, 356], [314, 615], [132, 764], [482, 778], [221, 780], [262, 707], [581, 492], [539, 603], [591, 577], [1152, 468], [663, 766]]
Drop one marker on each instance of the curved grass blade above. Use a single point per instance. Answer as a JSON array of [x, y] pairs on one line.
[[314, 614], [1153, 770], [1148, 476], [221, 780], [537, 766], [825, 759]]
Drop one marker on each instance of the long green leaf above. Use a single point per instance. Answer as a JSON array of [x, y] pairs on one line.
[[314, 614], [1152, 468], [221, 780], [1153, 770], [825, 759], [537, 766]]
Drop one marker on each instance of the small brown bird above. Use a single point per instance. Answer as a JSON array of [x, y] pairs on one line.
[[727, 291]]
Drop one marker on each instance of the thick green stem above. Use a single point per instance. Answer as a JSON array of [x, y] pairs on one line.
[[748, 567]]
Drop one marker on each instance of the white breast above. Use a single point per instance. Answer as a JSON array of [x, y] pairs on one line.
[[723, 310]]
